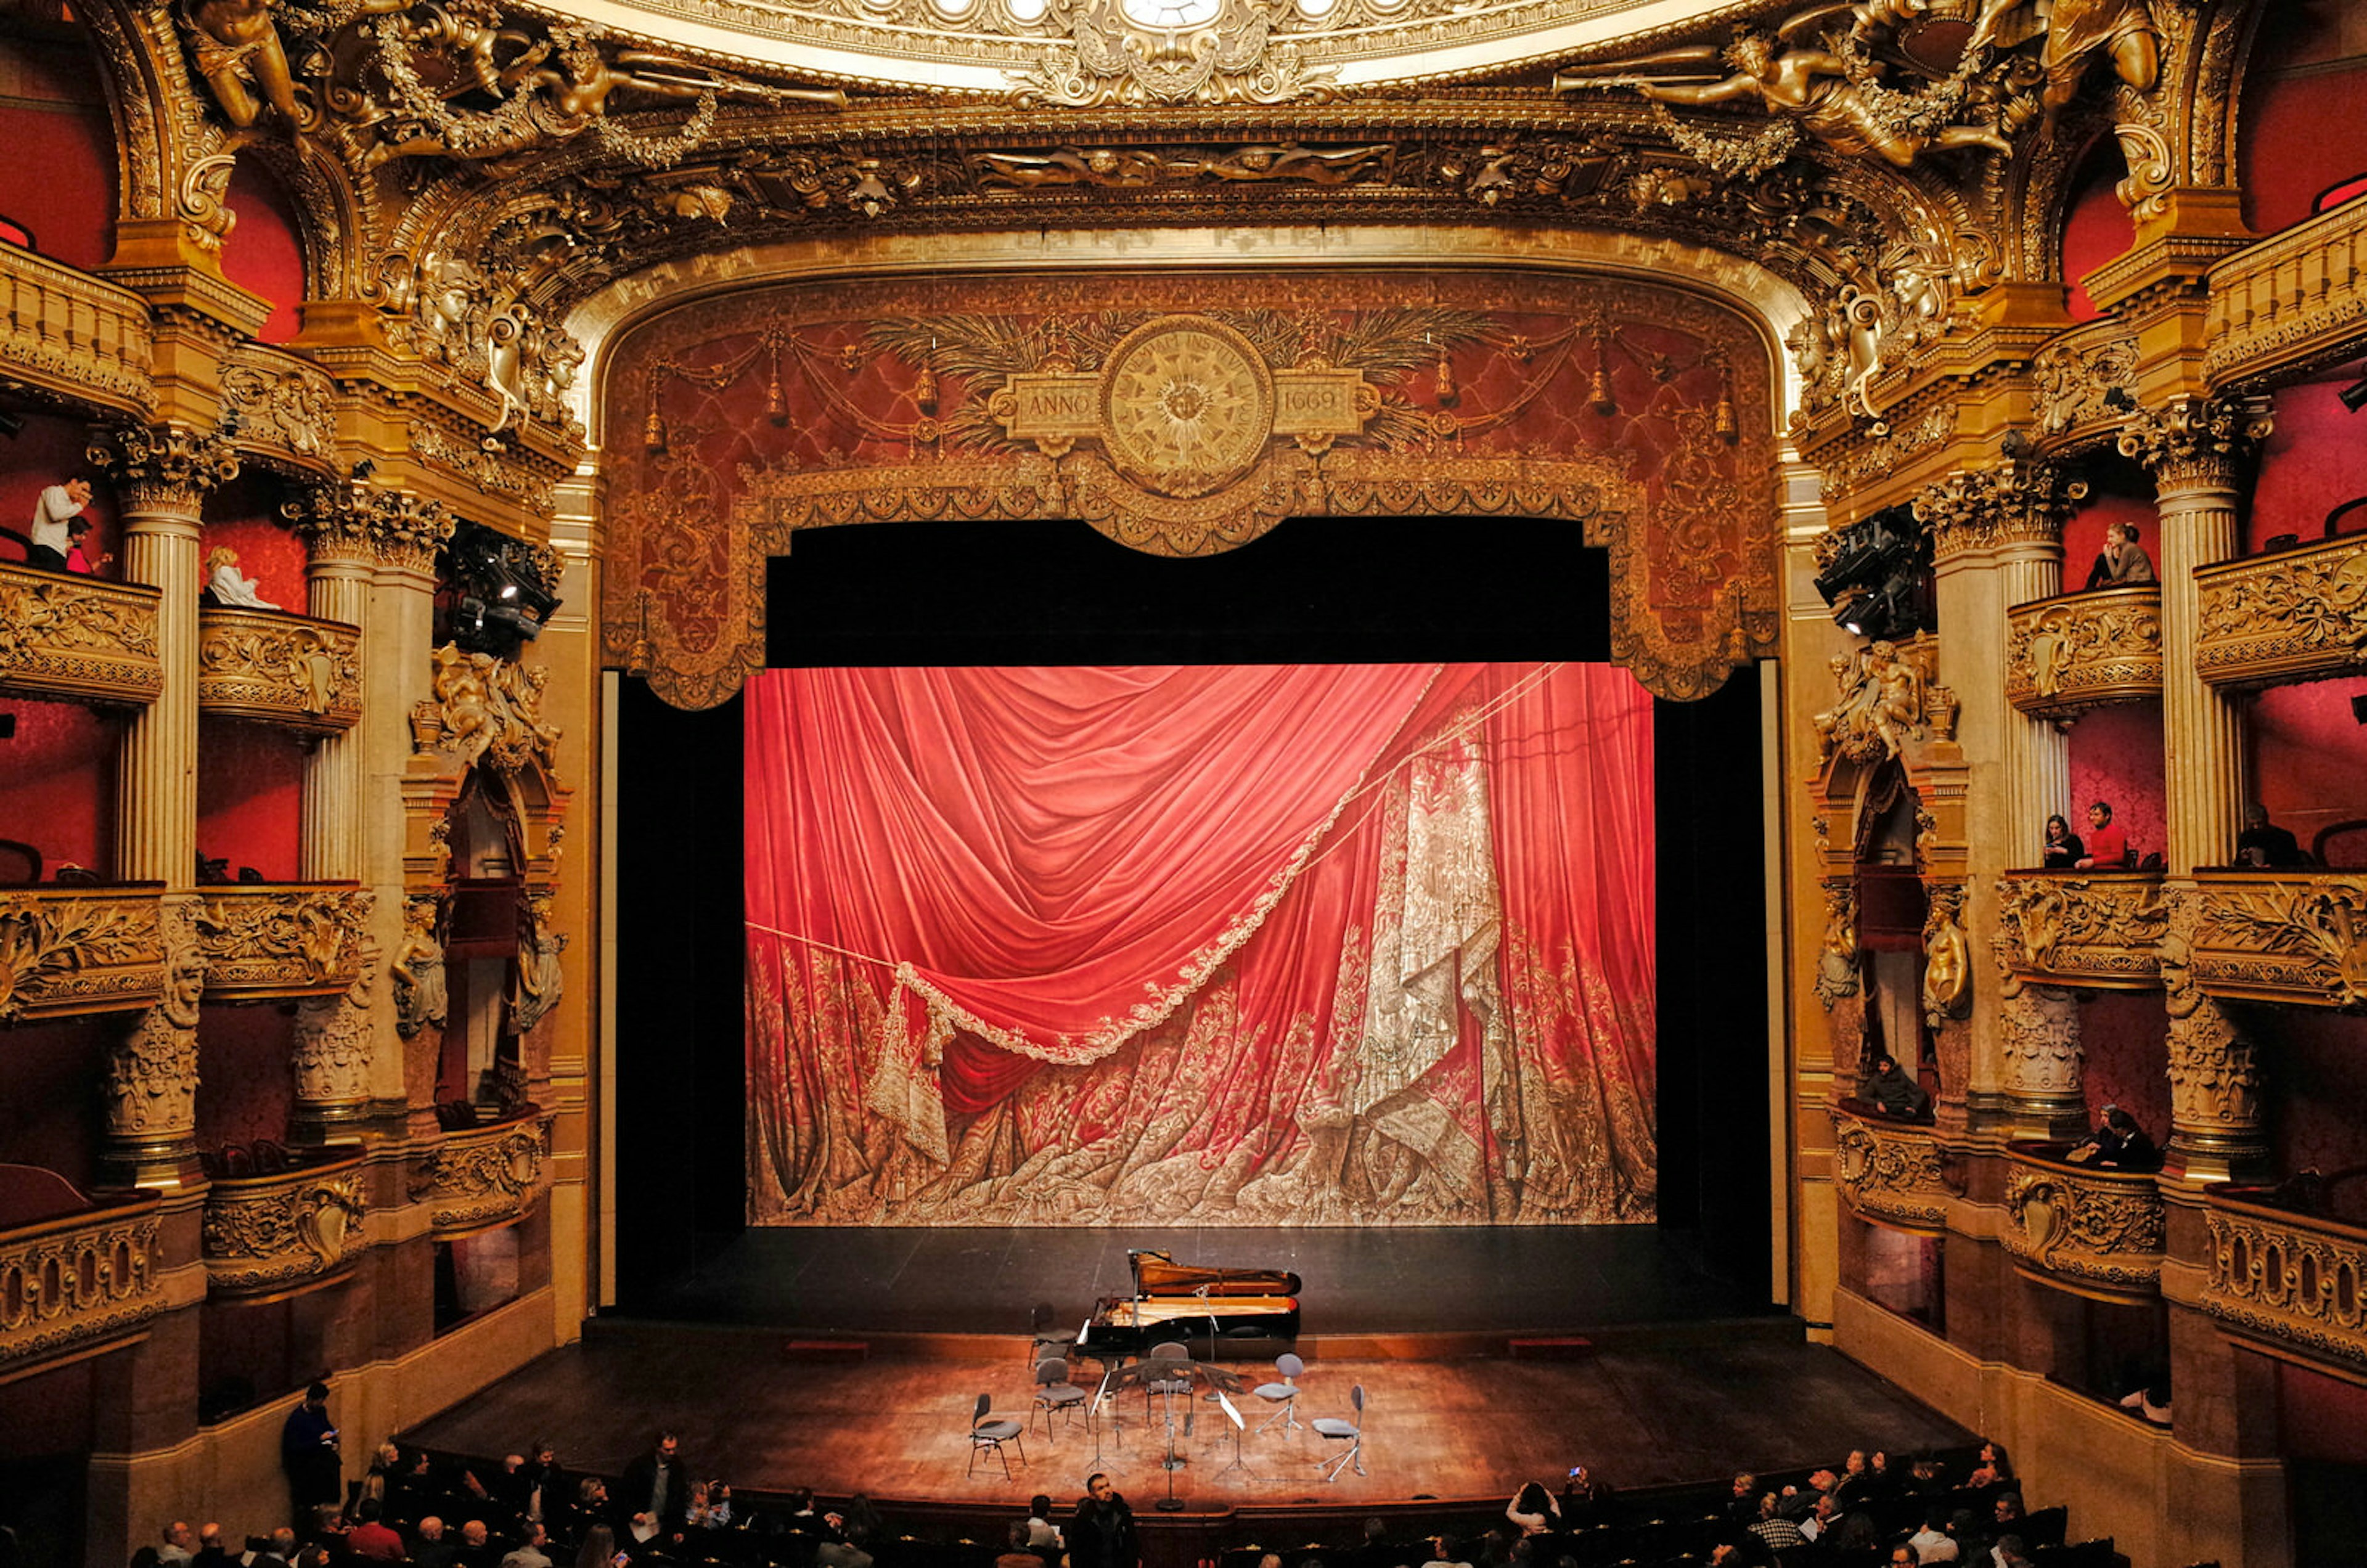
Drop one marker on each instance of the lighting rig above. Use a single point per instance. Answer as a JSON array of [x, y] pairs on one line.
[[1877, 576], [497, 593]]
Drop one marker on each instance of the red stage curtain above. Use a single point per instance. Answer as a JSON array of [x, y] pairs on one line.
[[1296, 943]]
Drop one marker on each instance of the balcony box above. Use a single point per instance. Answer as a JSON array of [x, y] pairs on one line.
[[263, 940], [2288, 1269], [2095, 1233], [480, 1178], [79, 949], [76, 1278], [292, 671], [66, 334], [2283, 936], [278, 1233], [2067, 655], [1890, 1171], [2292, 616], [2084, 927], [80, 640]]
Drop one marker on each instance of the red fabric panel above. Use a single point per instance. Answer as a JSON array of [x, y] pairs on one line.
[[59, 126], [263, 255], [2097, 229], [251, 797]]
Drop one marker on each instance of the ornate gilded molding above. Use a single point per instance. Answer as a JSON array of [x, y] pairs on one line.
[[421, 998], [2295, 614], [2068, 655], [290, 671], [2291, 303], [2290, 1283], [334, 1039], [2013, 502], [2096, 1233], [348, 520], [269, 1234], [485, 1177], [164, 468], [1890, 1172], [1861, 459], [2214, 1070], [261, 940], [1947, 957], [64, 634], [2088, 929], [486, 711], [1135, 54], [78, 950], [1889, 696], [72, 337], [151, 1074], [2086, 382], [484, 470], [281, 408], [2196, 443], [79, 1284], [2038, 1049], [2297, 936]]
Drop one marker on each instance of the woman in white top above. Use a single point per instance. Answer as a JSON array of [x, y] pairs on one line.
[[230, 587], [1534, 1509]]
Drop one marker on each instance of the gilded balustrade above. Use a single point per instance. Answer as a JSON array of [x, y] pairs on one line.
[[77, 1284], [2294, 300], [2086, 928], [292, 671], [2096, 1232], [64, 634], [281, 938], [2289, 615], [79, 949], [286, 1232], [2283, 936], [478, 1178], [2288, 1281], [68, 335], [1890, 1172], [2067, 655]]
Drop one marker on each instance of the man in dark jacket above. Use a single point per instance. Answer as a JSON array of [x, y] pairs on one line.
[[308, 1452], [1101, 1534], [658, 1485]]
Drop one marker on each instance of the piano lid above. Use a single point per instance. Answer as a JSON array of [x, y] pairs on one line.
[[1157, 1274]]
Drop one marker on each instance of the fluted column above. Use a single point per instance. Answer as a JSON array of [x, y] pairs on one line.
[[162, 476], [2195, 449]]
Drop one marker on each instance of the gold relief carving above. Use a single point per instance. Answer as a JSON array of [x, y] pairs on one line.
[[1886, 451], [2096, 1227], [2288, 1280], [1836, 954], [64, 634], [73, 1284], [2194, 443], [488, 710], [2009, 502], [274, 405], [168, 468], [2295, 613], [70, 334], [1186, 405], [2081, 384], [537, 979], [1284, 482], [288, 671], [1135, 168], [2065, 656], [332, 1059], [73, 950], [1888, 1173], [2289, 938], [1224, 51], [2214, 1076], [2292, 301], [421, 997], [265, 939], [348, 520], [2038, 1042], [485, 1176], [1886, 698], [1947, 957], [2084, 927], [485, 469], [151, 1074], [266, 1232]]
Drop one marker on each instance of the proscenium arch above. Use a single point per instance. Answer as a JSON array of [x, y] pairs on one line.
[[1758, 306]]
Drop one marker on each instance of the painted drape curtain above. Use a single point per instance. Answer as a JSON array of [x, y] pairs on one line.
[[1325, 945]]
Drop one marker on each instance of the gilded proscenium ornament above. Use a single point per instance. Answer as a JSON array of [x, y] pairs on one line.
[[2010, 501], [1144, 52], [1887, 697], [2096, 930], [169, 469], [78, 1284], [2297, 936], [2095, 1231], [265, 939], [1891, 1172], [2294, 614], [78, 949], [281, 408], [63, 635], [2196, 442], [270, 1234], [291, 671], [1139, 168], [2086, 385], [350, 520], [2068, 655], [2292, 1280], [485, 1177], [486, 711]]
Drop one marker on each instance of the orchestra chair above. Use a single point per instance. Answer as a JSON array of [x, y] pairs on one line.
[[1282, 1395], [1043, 1340], [1168, 1351], [1351, 1433], [1054, 1392], [986, 1434]]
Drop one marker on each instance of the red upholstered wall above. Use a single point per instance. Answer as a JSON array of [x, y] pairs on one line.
[[2313, 461], [2309, 758], [57, 784], [2305, 108], [2123, 1035], [250, 797], [263, 255], [243, 1054], [2116, 757], [2097, 227], [53, 120], [2317, 1103], [51, 1115]]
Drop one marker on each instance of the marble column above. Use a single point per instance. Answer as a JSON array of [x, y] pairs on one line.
[[162, 475]]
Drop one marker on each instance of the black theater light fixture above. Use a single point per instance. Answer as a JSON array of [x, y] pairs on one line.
[[500, 591], [1877, 576]]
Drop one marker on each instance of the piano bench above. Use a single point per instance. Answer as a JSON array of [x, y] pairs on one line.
[[832, 1352], [1552, 1347]]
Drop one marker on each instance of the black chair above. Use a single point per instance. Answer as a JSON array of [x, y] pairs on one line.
[[2045, 1528], [2096, 1553], [993, 1435], [1054, 1392]]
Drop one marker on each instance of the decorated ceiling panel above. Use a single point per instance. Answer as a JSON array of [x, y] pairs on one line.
[[1184, 415]]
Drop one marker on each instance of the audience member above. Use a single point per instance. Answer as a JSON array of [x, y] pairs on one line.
[[370, 1539], [78, 557], [308, 1453], [1442, 1554], [1742, 1503], [1903, 1556], [1775, 1532], [1534, 1510], [210, 1553], [1932, 1543], [529, 1552], [1886, 1085], [2121, 562], [1993, 1467], [2151, 1402], [1101, 1534], [476, 1547], [2118, 1144], [51, 538], [2263, 843], [599, 1549], [1043, 1535], [178, 1539], [2108, 846], [1016, 1554], [656, 1484], [2063, 849]]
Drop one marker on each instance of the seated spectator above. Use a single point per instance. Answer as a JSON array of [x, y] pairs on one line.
[[2117, 1144], [1992, 1468], [179, 1540], [370, 1539], [1775, 1532], [1043, 1535], [1585, 1501], [210, 1553], [1017, 1554], [2063, 849], [1932, 1543], [590, 1508], [1534, 1510], [1903, 1556], [2151, 1402], [1742, 1503], [2121, 562], [2263, 843], [476, 1547], [1442, 1555], [1888, 1086], [2010, 1552], [2107, 844], [598, 1548], [530, 1552]]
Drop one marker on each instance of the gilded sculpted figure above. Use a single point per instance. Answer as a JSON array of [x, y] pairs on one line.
[[421, 999], [241, 56], [2076, 30]]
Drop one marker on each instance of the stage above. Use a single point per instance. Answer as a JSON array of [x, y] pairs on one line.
[[753, 1361]]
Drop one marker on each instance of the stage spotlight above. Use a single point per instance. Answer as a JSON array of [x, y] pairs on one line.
[[503, 589]]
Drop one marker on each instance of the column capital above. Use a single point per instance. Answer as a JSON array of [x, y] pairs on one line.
[[2217, 1129], [351, 521], [166, 469], [2196, 443], [2011, 502]]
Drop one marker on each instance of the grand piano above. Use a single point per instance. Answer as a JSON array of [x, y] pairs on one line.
[[1240, 1313]]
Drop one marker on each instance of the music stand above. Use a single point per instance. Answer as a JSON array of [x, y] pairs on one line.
[[1235, 1416]]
